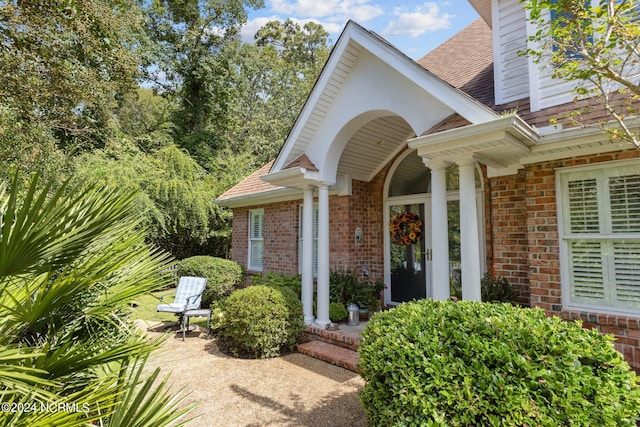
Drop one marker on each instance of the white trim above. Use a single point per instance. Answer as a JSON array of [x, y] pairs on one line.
[[424, 198], [565, 237]]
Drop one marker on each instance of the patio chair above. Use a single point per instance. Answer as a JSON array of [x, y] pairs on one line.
[[188, 297]]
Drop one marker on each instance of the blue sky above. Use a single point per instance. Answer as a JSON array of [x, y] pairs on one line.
[[414, 27]]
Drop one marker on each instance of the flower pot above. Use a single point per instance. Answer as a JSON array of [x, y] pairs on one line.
[[364, 314]]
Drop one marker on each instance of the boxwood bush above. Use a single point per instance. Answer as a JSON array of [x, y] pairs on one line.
[[470, 363], [223, 276], [259, 321]]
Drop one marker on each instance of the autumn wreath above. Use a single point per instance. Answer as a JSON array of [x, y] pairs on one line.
[[405, 228]]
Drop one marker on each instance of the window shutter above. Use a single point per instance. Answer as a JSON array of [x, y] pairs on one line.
[[583, 206], [624, 193], [586, 268], [627, 273], [256, 225], [256, 254], [256, 244]]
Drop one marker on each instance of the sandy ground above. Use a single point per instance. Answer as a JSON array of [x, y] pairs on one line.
[[292, 390]]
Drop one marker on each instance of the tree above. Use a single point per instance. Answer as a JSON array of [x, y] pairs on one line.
[[72, 261], [189, 34], [173, 200], [597, 46], [64, 64], [146, 117], [275, 74]]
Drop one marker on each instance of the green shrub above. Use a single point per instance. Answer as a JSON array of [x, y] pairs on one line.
[[497, 289], [293, 282], [259, 321], [222, 276], [345, 288], [482, 364], [337, 312], [492, 289]]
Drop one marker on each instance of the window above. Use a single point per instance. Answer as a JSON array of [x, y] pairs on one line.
[[256, 243], [601, 236], [315, 240]]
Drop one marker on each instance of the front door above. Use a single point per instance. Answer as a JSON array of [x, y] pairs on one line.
[[409, 249]]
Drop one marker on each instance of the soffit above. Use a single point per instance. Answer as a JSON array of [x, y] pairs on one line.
[[483, 7], [373, 146]]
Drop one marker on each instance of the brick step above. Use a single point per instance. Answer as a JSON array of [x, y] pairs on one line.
[[330, 353], [339, 338]]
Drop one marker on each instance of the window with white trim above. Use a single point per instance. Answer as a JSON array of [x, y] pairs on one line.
[[256, 242], [601, 236], [315, 239]]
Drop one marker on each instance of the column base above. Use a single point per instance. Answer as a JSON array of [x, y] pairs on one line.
[[322, 323], [309, 320]]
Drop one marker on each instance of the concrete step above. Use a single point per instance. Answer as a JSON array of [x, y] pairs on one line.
[[340, 338], [331, 353]]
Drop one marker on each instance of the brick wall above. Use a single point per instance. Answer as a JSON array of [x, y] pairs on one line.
[[280, 251], [509, 231], [544, 255], [522, 239]]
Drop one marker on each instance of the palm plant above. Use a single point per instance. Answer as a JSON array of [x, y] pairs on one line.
[[71, 263]]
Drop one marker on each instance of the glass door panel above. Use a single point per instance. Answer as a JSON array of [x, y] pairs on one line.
[[408, 253]]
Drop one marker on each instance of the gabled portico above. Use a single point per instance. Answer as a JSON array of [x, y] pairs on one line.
[[369, 100]]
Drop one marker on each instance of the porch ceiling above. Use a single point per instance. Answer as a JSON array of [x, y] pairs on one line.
[[373, 146]]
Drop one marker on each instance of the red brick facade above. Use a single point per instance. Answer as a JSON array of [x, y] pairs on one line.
[[526, 245], [521, 234]]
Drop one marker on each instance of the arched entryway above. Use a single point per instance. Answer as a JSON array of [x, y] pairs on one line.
[[408, 256]]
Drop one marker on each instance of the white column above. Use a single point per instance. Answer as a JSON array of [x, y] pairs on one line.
[[307, 256], [323, 256], [439, 231], [469, 239]]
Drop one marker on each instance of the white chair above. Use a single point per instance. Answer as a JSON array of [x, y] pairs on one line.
[[188, 297]]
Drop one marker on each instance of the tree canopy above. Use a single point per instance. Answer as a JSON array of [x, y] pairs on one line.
[[596, 46], [160, 97]]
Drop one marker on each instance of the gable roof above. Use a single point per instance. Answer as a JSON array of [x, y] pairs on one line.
[[462, 76], [349, 52]]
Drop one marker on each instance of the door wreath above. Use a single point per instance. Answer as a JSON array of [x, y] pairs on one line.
[[405, 228]]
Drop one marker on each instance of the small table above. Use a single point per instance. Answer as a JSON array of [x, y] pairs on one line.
[[203, 312]]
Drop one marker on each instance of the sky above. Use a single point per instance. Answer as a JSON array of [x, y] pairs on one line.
[[415, 27]]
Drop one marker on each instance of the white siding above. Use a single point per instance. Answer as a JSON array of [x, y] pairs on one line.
[[545, 91], [509, 38]]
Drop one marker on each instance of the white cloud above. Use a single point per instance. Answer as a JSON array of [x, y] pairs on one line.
[[413, 23], [250, 29], [331, 10]]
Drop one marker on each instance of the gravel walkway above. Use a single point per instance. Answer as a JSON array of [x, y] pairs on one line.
[[292, 390]]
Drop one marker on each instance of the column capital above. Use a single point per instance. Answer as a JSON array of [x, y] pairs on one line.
[[435, 164], [466, 160]]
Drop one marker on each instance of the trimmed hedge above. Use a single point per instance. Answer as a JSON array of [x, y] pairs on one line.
[[470, 363], [259, 321], [223, 276]]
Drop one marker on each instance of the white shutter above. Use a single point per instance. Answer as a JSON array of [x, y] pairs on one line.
[[256, 245], [627, 273], [255, 231], [583, 206], [624, 194], [586, 271]]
